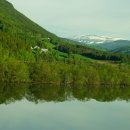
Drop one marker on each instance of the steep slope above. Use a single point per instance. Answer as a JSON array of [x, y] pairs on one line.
[[16, 21], [18, 34]]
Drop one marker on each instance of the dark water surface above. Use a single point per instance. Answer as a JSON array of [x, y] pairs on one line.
[[43, 107]]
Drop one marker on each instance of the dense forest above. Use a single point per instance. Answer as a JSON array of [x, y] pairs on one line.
[[29, 53]]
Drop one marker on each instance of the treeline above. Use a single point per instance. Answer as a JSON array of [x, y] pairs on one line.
[[63, 73], [92, 53]]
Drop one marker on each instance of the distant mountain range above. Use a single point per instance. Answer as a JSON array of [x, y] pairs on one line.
[[93, 39], [103, 42]]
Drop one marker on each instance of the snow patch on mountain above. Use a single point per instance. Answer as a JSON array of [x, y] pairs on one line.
[[93, 39]]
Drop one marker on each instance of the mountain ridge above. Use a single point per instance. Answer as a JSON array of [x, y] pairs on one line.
[[102, 42], [93, 39]]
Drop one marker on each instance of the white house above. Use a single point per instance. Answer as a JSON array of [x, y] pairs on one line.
[[44, 50], [41, 49]]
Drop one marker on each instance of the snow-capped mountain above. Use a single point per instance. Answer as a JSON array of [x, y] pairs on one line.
[[93, 39], [104, 42]]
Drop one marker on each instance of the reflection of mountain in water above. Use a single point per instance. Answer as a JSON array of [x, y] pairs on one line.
[[39, 93]]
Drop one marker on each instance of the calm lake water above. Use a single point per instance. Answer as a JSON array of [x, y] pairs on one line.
[[40, 107]]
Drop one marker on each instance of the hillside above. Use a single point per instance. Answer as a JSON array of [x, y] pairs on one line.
[[29, 53], [12, 19], [103, 43], [125, 50], [115, 45]]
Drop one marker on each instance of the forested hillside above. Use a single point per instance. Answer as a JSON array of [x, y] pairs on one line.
[[29, 53], [116, 45]]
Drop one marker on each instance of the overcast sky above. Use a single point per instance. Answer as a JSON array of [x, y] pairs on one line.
[[79, 17]]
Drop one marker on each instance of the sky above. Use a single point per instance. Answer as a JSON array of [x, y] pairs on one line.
[[79, 17]]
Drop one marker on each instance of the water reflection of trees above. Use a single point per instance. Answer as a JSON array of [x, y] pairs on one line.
[[47, 93], [11, 92]]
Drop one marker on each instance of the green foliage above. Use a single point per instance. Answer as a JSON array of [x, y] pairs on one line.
[[92, 53], [1, 26], [14, 71], [43, 73], [115, 45]]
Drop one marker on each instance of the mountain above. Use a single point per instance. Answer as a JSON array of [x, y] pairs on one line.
[[12, 19], [93, 39], [18, 34], [103, 42], [124, 50], [115, 45]]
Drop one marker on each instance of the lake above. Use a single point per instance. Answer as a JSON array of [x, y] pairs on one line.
[[45, 107]]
